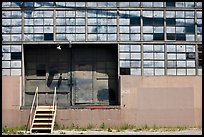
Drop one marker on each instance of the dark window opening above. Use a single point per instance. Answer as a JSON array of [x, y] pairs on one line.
[[147, 21], [199, 47], [124, 71], [170, 4], [171, 36], [171, 22], [200, 55], [181, 37], [158, 36], [135, 21], [190, 29], [158, 22], [48, 36], [16, 55], [200, 63], [190, 55]]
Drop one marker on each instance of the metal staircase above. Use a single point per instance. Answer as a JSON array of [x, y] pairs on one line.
[[43, 117]]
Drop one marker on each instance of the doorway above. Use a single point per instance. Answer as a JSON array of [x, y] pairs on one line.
[[83, 74]]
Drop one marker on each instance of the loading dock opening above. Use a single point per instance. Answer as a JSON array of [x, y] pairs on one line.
[[84, 74]]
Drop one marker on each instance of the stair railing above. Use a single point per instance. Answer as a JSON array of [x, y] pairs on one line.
[[31, 110], [55, 108]]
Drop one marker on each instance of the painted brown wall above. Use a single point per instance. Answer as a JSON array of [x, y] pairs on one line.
[[164, 101]]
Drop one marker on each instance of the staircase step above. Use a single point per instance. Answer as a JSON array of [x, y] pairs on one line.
[[44, 114], [43, 118], [45, 107], [41, 128], [42, 123]]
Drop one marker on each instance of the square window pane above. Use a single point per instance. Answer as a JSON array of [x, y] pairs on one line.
[[135, 48], [135, 71], [124, 64], [191, 72], [148, 72], [171, 71], [148, 64], [124, 55], [147, 48], [159, 64], [181, 71], [136, 64], [134, 37], [124, 47], [159, 72], [147, 29], [135, 56], [148, 37]]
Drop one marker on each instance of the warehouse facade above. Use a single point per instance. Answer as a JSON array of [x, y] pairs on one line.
[[112, 62]]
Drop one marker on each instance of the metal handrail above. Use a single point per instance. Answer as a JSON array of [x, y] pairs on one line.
[[31, 110], [55, 108], [35, 98]]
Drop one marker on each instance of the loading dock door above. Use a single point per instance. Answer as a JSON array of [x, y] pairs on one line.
[[83, 84], [82, 74]]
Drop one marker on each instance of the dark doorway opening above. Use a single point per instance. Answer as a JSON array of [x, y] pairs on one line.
[[84, 74]]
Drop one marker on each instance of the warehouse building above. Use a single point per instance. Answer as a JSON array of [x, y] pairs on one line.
[[111, 62]]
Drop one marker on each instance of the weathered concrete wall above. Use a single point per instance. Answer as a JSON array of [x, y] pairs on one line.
[[164, 101]]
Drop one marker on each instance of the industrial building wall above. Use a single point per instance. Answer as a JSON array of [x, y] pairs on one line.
[[163, 101]]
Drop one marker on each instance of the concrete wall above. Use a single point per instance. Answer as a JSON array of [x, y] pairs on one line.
[[164, 101]]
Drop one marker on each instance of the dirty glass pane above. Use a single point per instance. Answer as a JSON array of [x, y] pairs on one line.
[[135, 71], [124, 37], [147, 48], [159, 71], [134, 37], [158, 4], [171, 71], [147, 29], [148, 72], [134, 29], [190, 63], [135, 48], [171, 48], [181, 63], [135, 63], [148, 13], [123, 4], [124, 55], [135, 55], [147, 4], [159, 56], [5, 72], [16, 37], [6, 64], [171, 56], [159, 64], [124, 64], [148, 37], [148, 64], [191, 71], [148, 55], [112, 37], [124, 47], [124, 29], [181, 71], [6, 56]]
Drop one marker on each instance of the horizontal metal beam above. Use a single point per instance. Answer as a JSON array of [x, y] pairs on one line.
[[100, 42]]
